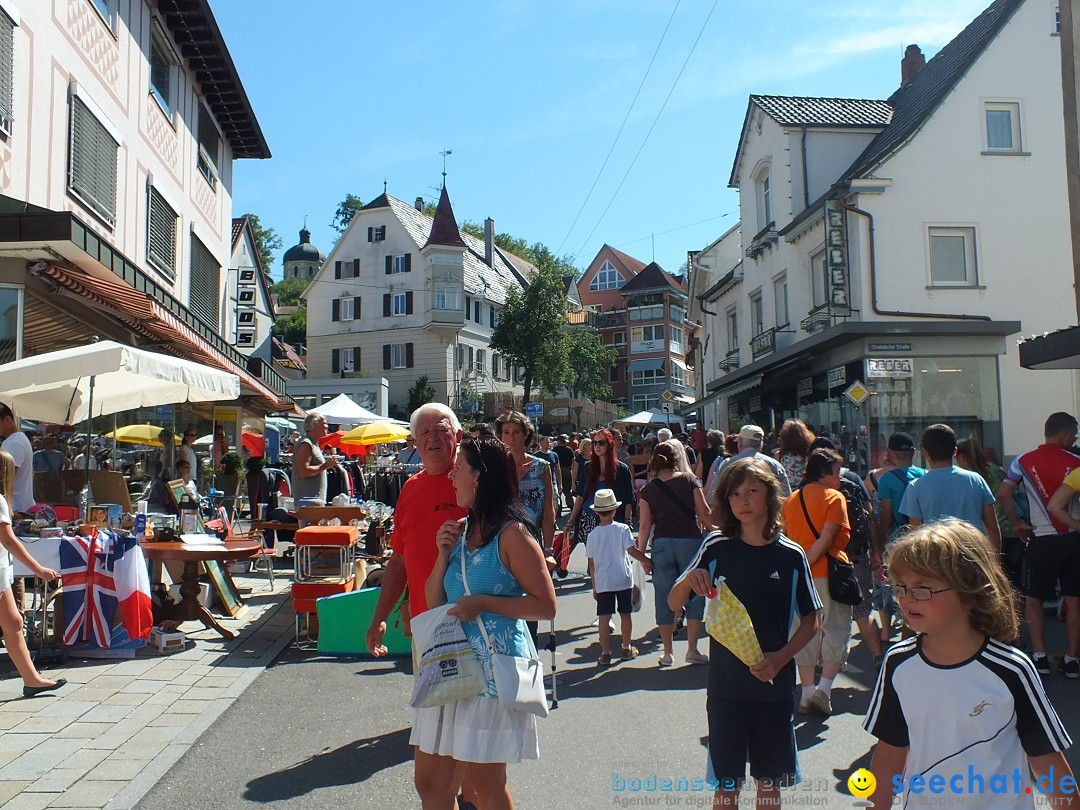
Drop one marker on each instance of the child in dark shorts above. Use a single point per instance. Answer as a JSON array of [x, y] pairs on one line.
[[751, 708], [609, 549]]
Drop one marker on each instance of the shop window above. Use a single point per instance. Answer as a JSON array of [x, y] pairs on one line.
[[1002, 121], [92, 169], [952, 257], [205, 283], [161, 234]]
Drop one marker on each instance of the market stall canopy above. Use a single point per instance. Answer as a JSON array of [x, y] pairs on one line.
[[375, 433], [643, 418], [139, 434], [342, 410], [55, 387]]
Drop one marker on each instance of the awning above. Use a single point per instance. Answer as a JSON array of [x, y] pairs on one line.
[[680, 363], [683, 399], [1059, 349], [740, 386], [647, 364]]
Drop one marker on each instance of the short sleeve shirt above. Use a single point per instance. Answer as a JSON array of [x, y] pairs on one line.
[[1072, 480], [825, 505], [426, 502], [606, 547], [948, 492], [773, 583], [1042, 471], [18, 447], [891, 487], [671, 519]]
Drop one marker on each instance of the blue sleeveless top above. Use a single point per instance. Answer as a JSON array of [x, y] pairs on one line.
[[488, 576], [532, 489]]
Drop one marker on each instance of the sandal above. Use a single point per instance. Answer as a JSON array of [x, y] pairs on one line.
[[628, 653], [604, 660]]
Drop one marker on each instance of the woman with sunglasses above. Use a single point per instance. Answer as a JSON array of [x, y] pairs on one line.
[[507, 583], [603, 471]]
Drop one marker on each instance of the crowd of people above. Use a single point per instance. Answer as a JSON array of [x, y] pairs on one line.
[[941, 554]]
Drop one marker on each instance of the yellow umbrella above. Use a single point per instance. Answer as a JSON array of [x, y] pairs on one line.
[[139, 434], [375, 433]]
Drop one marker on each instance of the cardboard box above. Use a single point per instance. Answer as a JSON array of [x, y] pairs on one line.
[[166, 642]]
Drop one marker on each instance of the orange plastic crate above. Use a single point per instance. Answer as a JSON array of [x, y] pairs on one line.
[[326, 536]]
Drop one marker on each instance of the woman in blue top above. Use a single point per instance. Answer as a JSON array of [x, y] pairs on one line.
[[535, 489], [508, 583]]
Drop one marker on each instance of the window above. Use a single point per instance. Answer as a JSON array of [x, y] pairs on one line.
[[209, 148], [952, 257], [479, 360], [476, 311], [494, 364], [398, 264], [92, 170], [763, 187], [1002, 126], [103, 9], [346, 358], [650, 376], [344, 361], [491, 317], [732, 330], [399, 304], [677, 340], [7, 72], [613, 373], [1056, 30], [376, 234], [819, 280], [780, 301], [468, 307], [205, 283], [11, 322], [678, 375], [161, 68], [654, 312], [645, 402], [607, 278], [448, 298], [757, 315], [678, 314], [619, 338], [161, 234], [399, 355], [643, 333], [345, 269], [345, 308]]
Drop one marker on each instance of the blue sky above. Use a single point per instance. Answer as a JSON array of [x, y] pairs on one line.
[[530, 95]]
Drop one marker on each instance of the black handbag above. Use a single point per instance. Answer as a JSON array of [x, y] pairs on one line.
[[843, 586]]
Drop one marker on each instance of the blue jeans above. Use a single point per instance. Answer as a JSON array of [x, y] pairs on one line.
[[670, 557]]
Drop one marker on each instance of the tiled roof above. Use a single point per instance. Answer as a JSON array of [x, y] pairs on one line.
[[795, 111], [633, 265], [915, 103], [652, 277], [237, 229], [444, 228]]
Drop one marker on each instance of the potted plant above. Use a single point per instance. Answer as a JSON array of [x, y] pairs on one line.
[[228, 476]]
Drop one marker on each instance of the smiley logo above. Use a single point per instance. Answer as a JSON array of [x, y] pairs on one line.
[[861, 783]]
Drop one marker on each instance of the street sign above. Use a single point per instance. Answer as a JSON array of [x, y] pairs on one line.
[[534, 410], [667, 396], [667, 407], [894, 346], [857, 393]]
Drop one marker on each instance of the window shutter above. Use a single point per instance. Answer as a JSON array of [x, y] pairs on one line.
[[356, 358], [408, 302], [371, 234], [337, 269], [494, 365], [356, 268], [386, 356], [386, 305], [93, 162], [389, 265], [205, 283], [335, 310], [356, 307], [491, 317], [408, 262], [408, 355], [161, 236], [335, 361], [468, 308], [7, 70]]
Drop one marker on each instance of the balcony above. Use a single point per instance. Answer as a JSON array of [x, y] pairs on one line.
[[730, 361], [764, 238], [764, 343], [445, 319], [817, 320], [611, 320]]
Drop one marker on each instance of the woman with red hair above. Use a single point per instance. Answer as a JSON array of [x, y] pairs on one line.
[[602, 471]]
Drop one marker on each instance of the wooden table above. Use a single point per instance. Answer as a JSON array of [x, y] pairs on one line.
[[189, 608]]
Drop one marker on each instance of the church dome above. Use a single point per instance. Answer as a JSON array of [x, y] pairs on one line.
[[305, 251]]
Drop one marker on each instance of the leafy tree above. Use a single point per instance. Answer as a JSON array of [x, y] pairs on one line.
[[288, 291], [292, 329], [531, 332], [589, 360], [266, 242], [422, 392], [346, 210]]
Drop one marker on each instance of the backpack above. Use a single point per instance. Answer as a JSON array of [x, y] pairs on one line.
[[862, 532]]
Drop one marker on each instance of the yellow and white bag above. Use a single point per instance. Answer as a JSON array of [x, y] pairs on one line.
[[727, 621]]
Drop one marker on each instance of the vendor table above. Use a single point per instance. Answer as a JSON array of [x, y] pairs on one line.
[[189, 608]]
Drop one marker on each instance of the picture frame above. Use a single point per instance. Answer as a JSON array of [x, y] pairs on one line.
[[222, 583]]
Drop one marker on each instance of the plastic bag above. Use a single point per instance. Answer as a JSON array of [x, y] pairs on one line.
[[727, 621], [448, 669], [637, 591]]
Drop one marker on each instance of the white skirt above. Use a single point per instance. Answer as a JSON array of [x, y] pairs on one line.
[[7, 570], [477, 729]]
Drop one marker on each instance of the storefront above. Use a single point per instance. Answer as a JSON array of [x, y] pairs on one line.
[[858, 384]]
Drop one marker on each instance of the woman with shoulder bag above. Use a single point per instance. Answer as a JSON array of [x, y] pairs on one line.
[[815, 517], [672, 506], [603, 471], [492, 568]]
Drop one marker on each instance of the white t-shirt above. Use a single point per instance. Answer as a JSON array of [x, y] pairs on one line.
[[18, 447], [80, 462], [606, 547], [188, 454]]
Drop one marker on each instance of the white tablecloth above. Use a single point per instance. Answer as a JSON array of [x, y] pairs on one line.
[[45, 551]]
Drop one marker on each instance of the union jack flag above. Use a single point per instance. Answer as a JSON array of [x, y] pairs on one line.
[[89, 589]]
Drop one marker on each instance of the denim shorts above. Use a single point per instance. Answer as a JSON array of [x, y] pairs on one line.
[[670, 557]]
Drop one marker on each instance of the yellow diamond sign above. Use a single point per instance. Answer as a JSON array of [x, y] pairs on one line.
[[857, 393]]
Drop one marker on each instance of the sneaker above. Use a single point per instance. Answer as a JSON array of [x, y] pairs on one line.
[[628, 653], [666, 660], [1070, 669], [1041, 662], [821, 703], [806, 706], [694, 657], [604, 660]]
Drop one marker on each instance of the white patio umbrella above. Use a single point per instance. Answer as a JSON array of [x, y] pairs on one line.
[[342, 410]]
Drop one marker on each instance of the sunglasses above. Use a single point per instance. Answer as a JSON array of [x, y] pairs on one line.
[[599, 443]]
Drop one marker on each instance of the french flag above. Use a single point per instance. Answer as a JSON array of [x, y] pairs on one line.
[[131, 582]]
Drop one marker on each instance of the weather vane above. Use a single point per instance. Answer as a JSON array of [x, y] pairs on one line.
[[444, 153]]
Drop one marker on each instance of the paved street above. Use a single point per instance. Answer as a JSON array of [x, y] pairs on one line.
[[333, 733]]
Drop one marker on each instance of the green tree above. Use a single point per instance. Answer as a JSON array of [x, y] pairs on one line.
[[266, 242], [531, 332], [346, 210], [422, 392], [288, 291], [589, 362], [292, 329]]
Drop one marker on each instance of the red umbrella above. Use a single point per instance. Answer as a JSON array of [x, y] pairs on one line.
[[334, 440], [254, 442]]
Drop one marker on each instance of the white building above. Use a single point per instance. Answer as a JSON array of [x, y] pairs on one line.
[[119, 124], [248, 307], [916, 237], [403, 295]]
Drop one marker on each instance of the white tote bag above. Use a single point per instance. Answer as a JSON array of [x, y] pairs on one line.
[[448, 668], [519, 680]]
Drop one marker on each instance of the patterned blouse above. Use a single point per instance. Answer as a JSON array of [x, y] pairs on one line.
[[532, 490]]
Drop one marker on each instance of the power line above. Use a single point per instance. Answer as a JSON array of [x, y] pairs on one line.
[[621, 127], [673, 230], [651, 128]]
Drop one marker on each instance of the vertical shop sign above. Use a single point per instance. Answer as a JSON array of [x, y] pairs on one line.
[[246, 337], [836, 239]]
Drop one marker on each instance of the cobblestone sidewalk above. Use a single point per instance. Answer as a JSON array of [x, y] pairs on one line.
[[105, 739]]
